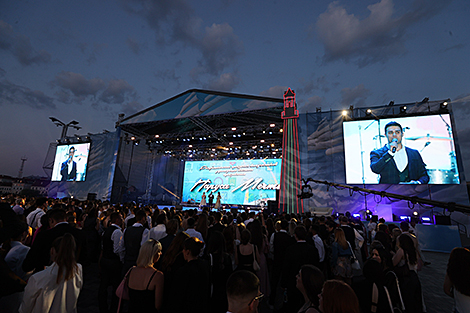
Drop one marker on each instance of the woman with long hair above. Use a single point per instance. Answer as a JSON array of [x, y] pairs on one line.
[[56, 288], [341, 257], [202, 225], [338, 297], [309, 282], [405, 262], [145, 281], [260, 240], [170, 260], [246, 253], [221, 268], [456, 284], [229, 235]]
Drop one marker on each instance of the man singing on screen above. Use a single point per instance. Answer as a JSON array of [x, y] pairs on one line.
[[395, 163], [68, 169]]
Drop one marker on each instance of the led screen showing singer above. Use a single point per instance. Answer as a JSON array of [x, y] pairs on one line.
[[400, 150]]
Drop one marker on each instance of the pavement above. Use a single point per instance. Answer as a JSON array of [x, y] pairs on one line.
[[431, 277]]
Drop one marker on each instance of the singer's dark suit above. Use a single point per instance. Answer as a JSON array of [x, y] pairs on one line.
[[64, 171], [382, 163]]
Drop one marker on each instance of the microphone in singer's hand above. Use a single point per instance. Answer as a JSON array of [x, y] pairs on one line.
[[394, 148]]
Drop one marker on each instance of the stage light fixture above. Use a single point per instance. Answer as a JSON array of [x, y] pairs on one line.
[[443, 105], [415, 213], [356, 215], [190, 146], [403, 109], [368, 212], [234, 128], [345, 113], [230, 143], [157, 136], [272, 125], [426, 219], [262, 140], [368, 112], [281, 130]]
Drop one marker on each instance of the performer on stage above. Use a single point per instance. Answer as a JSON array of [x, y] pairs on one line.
[[395, 163], [68, 168], [217, 201], [211, 199], [203, 200]]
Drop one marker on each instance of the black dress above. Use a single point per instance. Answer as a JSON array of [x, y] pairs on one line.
[[142, 300], [245, 262]]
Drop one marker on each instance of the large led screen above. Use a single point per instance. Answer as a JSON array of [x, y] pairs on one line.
[[70, 162], [428, 156], [247, 182]]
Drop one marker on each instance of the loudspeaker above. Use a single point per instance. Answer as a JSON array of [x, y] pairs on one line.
[[272, 207], [442, 220]]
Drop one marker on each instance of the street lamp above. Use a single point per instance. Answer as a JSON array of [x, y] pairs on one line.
[[65, 127]]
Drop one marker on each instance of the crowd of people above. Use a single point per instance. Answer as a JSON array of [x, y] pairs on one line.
[[198, 260]]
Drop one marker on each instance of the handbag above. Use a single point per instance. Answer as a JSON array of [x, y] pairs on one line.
[[122, 291], [255, 263], [354, 261], [400, 306]]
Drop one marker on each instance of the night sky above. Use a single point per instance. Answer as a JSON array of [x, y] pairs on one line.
[[91, 60]]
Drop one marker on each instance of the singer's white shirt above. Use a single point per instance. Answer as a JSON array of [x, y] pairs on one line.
[[401, 158]]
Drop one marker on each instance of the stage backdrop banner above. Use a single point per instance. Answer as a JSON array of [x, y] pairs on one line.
[[247, 182]]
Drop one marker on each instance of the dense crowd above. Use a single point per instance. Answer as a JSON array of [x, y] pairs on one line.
[[198, 260]]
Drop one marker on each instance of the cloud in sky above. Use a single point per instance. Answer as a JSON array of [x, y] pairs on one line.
[[118, 91], [133, 45], [274, 92], [373, 39], [314, 84], [20, 46], [74, 87], [311, 105], [226, 82], [131, 107], [355, 96], [11, 94], [174, 21]]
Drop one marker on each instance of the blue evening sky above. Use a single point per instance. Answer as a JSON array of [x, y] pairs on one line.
[[91, 60]]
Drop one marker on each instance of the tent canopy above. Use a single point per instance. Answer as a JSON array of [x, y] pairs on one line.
[[208, 119]]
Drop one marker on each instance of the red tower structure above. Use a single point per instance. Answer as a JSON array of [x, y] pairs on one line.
[[291, 185]]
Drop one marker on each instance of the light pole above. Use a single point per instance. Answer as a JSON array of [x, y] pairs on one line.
[[65, 127]]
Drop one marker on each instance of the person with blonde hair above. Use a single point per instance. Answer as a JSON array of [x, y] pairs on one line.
[[145, 281], [55, 289], [341, 257]]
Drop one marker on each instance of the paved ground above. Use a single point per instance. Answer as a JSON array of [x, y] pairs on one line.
[[431, 277], [432, 280]]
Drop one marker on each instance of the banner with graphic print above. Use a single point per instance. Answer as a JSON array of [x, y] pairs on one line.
[[247, 182]]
